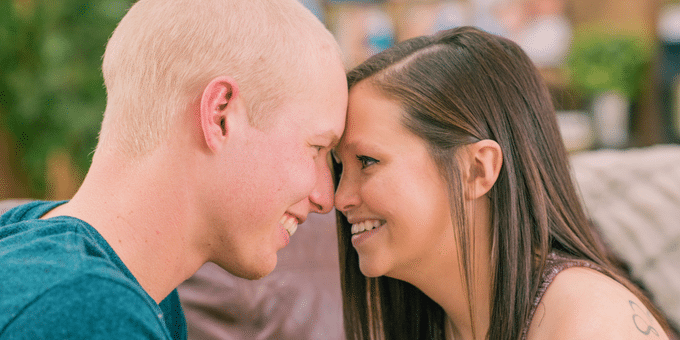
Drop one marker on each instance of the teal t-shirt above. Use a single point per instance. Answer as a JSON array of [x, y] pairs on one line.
[[59, 279]]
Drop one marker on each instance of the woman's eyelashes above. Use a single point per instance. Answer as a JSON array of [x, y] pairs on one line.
[[366, 161]]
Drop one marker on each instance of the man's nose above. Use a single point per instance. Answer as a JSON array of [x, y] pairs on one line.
[[321, 197]]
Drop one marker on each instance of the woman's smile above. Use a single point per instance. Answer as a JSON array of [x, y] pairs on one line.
[[364, 230]]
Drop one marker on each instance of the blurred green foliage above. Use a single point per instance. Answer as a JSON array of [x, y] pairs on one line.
[[51, 89], [601, 61]]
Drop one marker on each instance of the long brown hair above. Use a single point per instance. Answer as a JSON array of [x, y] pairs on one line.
[[457, 87]]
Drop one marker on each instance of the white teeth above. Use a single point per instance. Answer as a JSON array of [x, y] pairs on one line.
[[365, 226], [289, 223]]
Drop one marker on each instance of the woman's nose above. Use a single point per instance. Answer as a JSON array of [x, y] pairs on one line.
[[346, 195]]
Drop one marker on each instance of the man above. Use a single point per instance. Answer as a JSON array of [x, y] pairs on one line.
[[213, 148]]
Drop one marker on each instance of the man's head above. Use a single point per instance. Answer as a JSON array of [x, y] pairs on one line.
[[163, 54], [250, 96]]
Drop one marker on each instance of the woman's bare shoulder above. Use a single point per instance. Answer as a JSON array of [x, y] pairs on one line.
[[582, 303]]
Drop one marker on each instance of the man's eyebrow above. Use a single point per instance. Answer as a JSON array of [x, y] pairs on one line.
[[332, 137]]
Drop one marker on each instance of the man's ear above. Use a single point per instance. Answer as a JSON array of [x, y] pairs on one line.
[[220, 99], [484, 161]]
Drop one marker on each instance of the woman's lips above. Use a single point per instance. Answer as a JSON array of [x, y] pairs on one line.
[[364, 230]]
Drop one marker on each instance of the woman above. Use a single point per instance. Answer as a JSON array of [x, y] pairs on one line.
[[456, 206]]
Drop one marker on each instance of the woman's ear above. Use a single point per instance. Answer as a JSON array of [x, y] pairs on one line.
[[484, 161], [220, 99]]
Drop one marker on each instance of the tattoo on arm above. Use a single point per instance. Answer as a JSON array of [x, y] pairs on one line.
[[642, 319], [542, 311]]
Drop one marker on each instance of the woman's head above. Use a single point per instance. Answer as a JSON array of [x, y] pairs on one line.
[[390, 191], [462, 86], [453, 90]]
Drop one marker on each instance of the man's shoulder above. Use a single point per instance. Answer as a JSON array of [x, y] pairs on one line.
[[60, 277], [84, 306], [63, 276], [42, 252], [22, 224], [27, 210], [43, 260], [60, 243]]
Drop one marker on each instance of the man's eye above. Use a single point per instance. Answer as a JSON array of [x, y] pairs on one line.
[[317, 149], [366, 161]]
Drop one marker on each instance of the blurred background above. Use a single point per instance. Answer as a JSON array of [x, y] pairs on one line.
[[611, 66]]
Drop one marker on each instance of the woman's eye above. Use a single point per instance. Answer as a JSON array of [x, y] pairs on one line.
[[366, 161]]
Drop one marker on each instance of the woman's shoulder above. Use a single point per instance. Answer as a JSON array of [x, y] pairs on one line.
[[583, 303]]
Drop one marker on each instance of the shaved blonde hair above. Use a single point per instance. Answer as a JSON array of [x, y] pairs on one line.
[[165, 52]]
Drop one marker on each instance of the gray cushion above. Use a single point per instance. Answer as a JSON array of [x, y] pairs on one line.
[[633, 196]]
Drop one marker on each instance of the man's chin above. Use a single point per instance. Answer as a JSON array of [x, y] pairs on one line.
[[255, 275], [252, 271]]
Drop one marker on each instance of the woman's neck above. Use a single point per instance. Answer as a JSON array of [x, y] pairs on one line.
[[444, 283]]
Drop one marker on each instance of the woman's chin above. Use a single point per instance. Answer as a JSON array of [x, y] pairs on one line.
[[370, 269]]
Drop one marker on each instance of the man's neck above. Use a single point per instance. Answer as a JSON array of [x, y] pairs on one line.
[[143, 216]]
